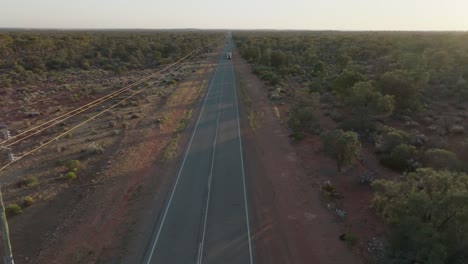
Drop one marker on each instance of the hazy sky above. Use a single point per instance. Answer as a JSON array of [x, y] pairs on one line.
[[245, 14]]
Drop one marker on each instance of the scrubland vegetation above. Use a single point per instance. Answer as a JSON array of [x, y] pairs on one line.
[[402, 95], [45, 74], [26, 57]]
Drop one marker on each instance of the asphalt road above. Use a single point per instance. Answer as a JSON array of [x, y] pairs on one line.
[[205, 218]]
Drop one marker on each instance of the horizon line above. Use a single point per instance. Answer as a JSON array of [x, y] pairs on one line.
[[227, 29]]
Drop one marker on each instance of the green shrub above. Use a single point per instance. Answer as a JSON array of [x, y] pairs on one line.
[[400, 157], [441, 159], [297, 135], [302, 119], [341, 146], [27, 182], [28, 201], [345, 81], [94, 148], [73, 164], [391, 139], [336, 116], [13, 210], [268, 76], [70, 175], [425, 216], [404, 90], [358, 125]]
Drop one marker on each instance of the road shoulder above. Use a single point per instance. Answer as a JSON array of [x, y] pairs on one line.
[[290, 224]]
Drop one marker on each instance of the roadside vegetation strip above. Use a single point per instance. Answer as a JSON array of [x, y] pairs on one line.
[[403, 95], [252, 115], [96, 102], [171, 147]]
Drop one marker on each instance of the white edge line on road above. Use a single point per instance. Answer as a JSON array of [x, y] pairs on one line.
[[183, 163], [242, 164], [210, 178]]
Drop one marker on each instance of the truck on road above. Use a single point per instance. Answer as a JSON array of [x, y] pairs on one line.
[[229, 55]]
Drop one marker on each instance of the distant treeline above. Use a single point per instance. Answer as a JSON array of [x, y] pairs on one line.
[[430, 61], [25, 56]]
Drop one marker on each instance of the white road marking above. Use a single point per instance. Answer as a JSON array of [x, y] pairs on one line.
[[199, 252], [242, 164], [210, 178], [182, 166]]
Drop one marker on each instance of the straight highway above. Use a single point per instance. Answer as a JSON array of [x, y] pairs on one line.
[[206, 215]]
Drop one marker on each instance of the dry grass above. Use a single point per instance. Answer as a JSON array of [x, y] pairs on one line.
[[277, 112]]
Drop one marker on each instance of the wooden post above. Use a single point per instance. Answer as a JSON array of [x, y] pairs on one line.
[[5, 233]]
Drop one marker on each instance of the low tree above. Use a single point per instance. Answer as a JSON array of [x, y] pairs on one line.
[[389, 140], [346, 80], [13, 210], [426, 216], [278, 59], [441, 159], [400, 158], [368, 104], [404, 90], [302, 118], [319, 67], [341, 146], [73, 165]]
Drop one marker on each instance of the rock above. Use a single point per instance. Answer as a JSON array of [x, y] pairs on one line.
[[340, 213]]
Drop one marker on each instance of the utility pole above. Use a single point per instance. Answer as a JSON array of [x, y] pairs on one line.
[[5, 233]]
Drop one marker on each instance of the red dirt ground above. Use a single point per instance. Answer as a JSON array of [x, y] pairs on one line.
[[98, 230], [291, 224]]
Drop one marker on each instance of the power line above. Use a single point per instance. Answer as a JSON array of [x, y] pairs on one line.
[[92, 104], [84, 122], [71, 114]]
